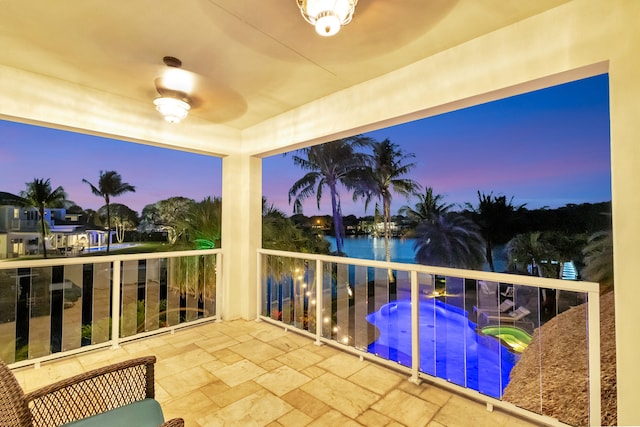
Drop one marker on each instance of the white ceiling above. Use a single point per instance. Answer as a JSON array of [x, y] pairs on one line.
[[256, 58]]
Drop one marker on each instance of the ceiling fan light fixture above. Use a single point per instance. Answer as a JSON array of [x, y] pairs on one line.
[[174, 110], [327, 16], [174, 87]]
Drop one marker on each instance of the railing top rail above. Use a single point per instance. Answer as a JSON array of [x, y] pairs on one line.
[[539, 282], [7, 265]]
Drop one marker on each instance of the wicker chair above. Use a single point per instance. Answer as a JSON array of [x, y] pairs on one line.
[[113, 387]]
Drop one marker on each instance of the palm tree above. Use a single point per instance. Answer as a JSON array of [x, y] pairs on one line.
[[495, 216], [449, 240], [109, 185], [598, 259], [532, 249], [428, 208], [281, 232], [382, 178], [205, 223], [39, 195], [328, 165]]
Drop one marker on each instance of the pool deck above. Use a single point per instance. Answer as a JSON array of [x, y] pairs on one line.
[[247, 373]]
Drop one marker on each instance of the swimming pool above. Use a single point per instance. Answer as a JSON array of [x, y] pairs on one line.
[[450, 347]]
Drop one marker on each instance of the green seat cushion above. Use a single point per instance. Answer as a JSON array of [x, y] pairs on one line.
[[143, 413]]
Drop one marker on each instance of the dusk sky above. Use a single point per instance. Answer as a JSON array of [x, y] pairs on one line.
[[546, 148], [28, 152]]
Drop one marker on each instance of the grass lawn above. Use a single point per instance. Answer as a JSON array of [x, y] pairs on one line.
[[138, 248]]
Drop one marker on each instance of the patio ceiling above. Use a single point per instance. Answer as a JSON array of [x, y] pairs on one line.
[[256, 59]]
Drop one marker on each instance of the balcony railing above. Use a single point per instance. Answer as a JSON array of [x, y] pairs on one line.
[[458, 328], [55, 307]]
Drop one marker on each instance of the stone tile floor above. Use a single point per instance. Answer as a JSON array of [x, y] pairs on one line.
[[247, 373]]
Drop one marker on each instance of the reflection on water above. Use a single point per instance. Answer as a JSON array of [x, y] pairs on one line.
[[367, 247], [112, 247]]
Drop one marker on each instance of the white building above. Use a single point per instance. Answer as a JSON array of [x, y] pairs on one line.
[[20, 232]]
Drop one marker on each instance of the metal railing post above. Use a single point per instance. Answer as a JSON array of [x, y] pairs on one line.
[[593, 328], [318, 301], [259, 287], [219, 290], [116, 283], [415, 328]]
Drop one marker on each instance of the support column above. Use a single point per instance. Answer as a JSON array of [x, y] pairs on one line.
[[241, 234], [625, 158]]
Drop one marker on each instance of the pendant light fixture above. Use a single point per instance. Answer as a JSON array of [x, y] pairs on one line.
[[327, 16]]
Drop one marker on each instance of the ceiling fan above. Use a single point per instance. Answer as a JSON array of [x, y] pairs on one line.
[[183, 91]]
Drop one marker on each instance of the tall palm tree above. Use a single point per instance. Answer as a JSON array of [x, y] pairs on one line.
[[383, 177], [40, 195], [494, 215], [449, 240], [428, 208], [109, 185], [328, 165]]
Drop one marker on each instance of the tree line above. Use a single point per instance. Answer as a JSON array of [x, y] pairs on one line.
[[448, 235], [373, 172], [185, 221]]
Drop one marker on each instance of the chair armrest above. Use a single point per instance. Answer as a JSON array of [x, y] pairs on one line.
[[93, 392], [175, 422]]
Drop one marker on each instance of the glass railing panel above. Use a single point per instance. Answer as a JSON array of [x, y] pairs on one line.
[[192, 287], [129, 298], [506, 331], [564, 365], [295, 293], [343, 330], [308, 296], [210, 285], [287, 291], [23, 312], [427, 323], [265, 284], [328, 289], [100, 324], [174, 294], [9, 288], [484, 364], [283, 284], [391, 316], [361, 325], [72, 308], [451, 328], [152, 295], [272, 276], [402, 330], [185, 276], [39, 306], [402, 286], [386, 324], [56, 294]]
